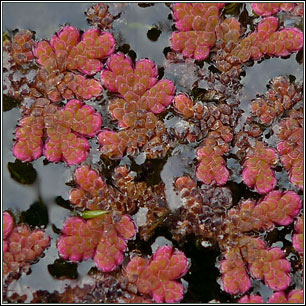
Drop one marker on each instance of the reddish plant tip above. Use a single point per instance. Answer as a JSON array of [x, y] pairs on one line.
[[137, 84], [90, 186], [244, 218], [101, 238], [257, 172], [132, 115], [298, 237], [291, 147], [147, 136], [76, 85], [156, 276], [281, 96], [276, 208], [268, 9], [98, 15], [67, 85], [265, 9], [184, 105], [185, 182], [233, 50], [251, 299], [190, 196], [123, 196], [211, 169], [8, 225], [263, 263], [61, 126], [196, 23], [126, 227], [269, 41], [270, 265], [22, 246], [29, 144], [294, 296], [82, 118], [228, 37], [141, 96], [22, 44], [92, 192], [65, 54], [235, 278], [198, 26], [204, 116], [68, 51], [229, 30], [113, 144]]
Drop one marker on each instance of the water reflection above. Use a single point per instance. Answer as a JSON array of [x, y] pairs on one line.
[[44, 18], [258, 76], [16, 196], [177, 165], [135, 22]]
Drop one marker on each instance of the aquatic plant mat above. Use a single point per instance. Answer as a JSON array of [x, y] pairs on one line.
[[152, 152]]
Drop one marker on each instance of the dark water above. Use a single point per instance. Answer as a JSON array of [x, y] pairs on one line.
[[130, 29]]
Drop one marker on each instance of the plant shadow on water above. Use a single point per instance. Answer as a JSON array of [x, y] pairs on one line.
[[141, 31]]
